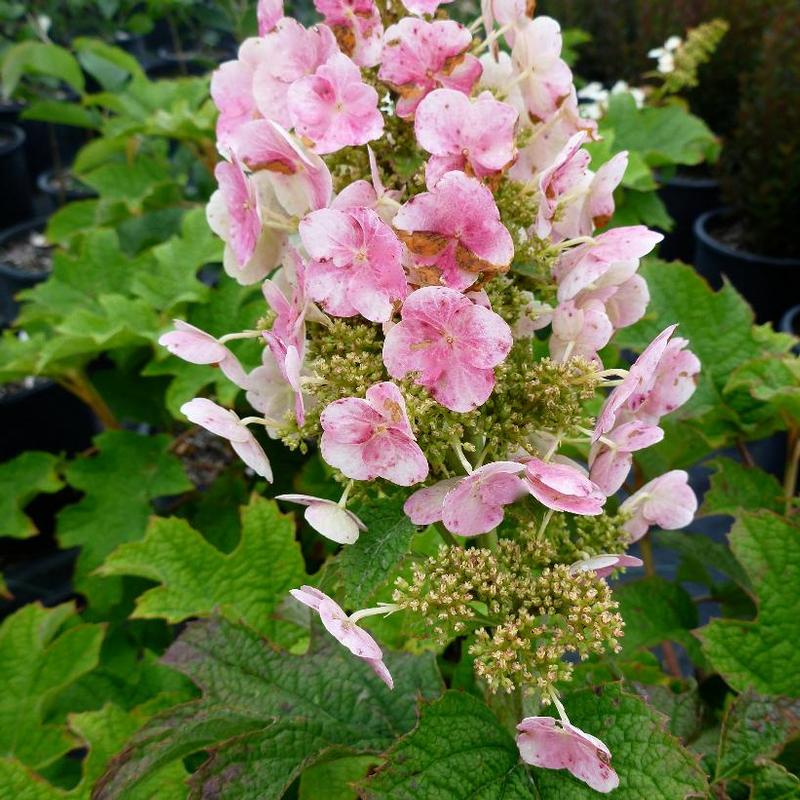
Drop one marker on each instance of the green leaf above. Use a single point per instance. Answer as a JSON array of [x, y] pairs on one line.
[[197, 579], [366, 564], [735, 487], [719, 328], [266, 714], [60, 112], [115, 508], [773, 381], [130, 183], [641, 208], [110, 66], [650, 762], [334, 780], [701, 553], [42, 651], [755, 728], [458, 750], [70, 220], [656, 610], [21, 479], [773, 782], [762, 654], [38, 58], [663, 135]]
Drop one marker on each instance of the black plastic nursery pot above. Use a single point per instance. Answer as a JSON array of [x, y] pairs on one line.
[[60, 186], [767, 283], [790, 321], [49, 145], [16, 200], [24, 262], [686, 197], [38, 414]]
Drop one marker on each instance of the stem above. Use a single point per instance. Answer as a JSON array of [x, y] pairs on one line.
[[745, 453], [487, 540], [78, 384], [229, 337], [491, 37], [462, 458], [383, 608], [559, 706], [343, 499], [792, 464]]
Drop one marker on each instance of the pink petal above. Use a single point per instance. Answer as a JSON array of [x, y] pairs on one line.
[[268, 13], [309, 596], [356, 640], [604, 564], [389, 402], [216, 419], [251, 452], [193, 345], [240, 199], [563, 488], [333, 522], [350, 420], [425, 505], [395, 457], [380, 669]]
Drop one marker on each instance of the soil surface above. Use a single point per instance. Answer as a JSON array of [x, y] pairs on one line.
[[8, 390], [204, 456], [730, 232], [29, 254]]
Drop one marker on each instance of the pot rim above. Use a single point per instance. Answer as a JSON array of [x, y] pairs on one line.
[[786, 323], [24, 394], [9, 234], [17, 135], [702, 234]]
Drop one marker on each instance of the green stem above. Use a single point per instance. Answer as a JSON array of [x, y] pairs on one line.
[[487, 540], [447, 537], [78, 384]]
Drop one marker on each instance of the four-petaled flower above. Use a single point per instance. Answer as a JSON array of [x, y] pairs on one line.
[[346, 632], [556, 744], [225, 423], [450, 344], [334, 108], [471, 505], [372, 438], [456, 229], [667, 501], [357, 263], [563, 487]]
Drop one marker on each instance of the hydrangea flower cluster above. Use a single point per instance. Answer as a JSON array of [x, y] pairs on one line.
[[418, 207]]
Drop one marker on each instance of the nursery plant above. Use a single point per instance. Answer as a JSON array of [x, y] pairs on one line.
[[428, 303]]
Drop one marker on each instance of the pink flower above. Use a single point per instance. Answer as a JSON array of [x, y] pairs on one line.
[[268, 391], [239, 195], [347, 633], [604, 564], [471, 136], [456, 227], [198, 347], [674, 381], [567, 169], [334, 107], [357, 266], [579, 330], [419, 57], [635, 385], [327, 517], [591, 201], [268, 12], [563, 487], [472, 505], [553, 744], [290, 311], [667, 501], [270, 244], [225, 423], [289, 358], [610, 459], [546, 80], [232, 93], [609, 260], [372, 438], [363, 194], [301, 179], [287, 54], [451, 344], [420, 7], [509, 14], [357, 26]]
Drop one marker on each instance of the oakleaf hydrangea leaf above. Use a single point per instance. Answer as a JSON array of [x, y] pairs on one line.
[[120, 482], [762, 654], [21, 479], [459, 750], [196, 578], [335, 779], [755, 728], [366, 564], [719, 328], [42, 652], [735, 487], [650, 762], [266, 714]]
